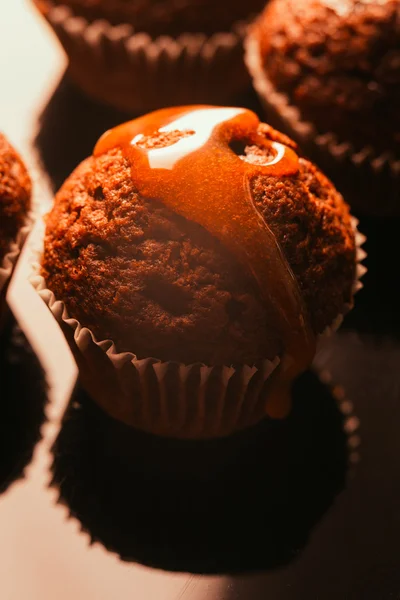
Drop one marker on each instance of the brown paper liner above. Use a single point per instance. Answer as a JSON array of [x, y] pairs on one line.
[[369, 181], [168, 398], [136, 73]]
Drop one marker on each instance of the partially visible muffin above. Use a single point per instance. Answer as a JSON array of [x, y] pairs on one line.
[[159, 285], [15, 195], [167, 17], [338, 61], [140, 55]]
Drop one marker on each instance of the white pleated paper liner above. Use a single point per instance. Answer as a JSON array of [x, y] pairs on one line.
[[167, 398], [369, 181], [9, 261], [248, 502], [137, 73], [7, 265]]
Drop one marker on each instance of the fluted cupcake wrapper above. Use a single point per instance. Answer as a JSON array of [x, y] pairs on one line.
[[370, 181], [137, 73], [7, 265], [167, 398]]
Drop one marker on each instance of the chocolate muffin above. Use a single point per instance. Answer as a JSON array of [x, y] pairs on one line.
[[221, 257], [167, 17], [15, 195], [157, 284], [141, 55], [339, 64], [327, 73]]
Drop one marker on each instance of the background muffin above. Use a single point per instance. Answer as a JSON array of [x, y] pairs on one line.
[[167, 17], [199, 349], [154, 54], [339, 63], [329, 73]]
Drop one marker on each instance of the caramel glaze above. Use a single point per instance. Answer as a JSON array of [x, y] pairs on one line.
[[201, 178]]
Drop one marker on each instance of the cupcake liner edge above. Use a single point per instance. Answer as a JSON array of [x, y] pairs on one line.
[[9, 261], [144, 73]]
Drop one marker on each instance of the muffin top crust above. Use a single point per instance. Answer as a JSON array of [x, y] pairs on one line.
[[160, 284]]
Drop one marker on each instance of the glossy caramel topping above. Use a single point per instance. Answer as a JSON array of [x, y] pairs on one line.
[[201, 178]]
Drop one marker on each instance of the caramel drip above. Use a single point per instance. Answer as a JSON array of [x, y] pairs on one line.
[[202, 179]]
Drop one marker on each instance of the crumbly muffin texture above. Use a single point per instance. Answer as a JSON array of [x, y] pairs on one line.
[[339, 63], [168, 17], [15, 193], [159, 285]]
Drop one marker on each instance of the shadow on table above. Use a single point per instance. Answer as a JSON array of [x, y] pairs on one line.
[[376, 307], [238, 504], [23, 399], [69, 128]]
